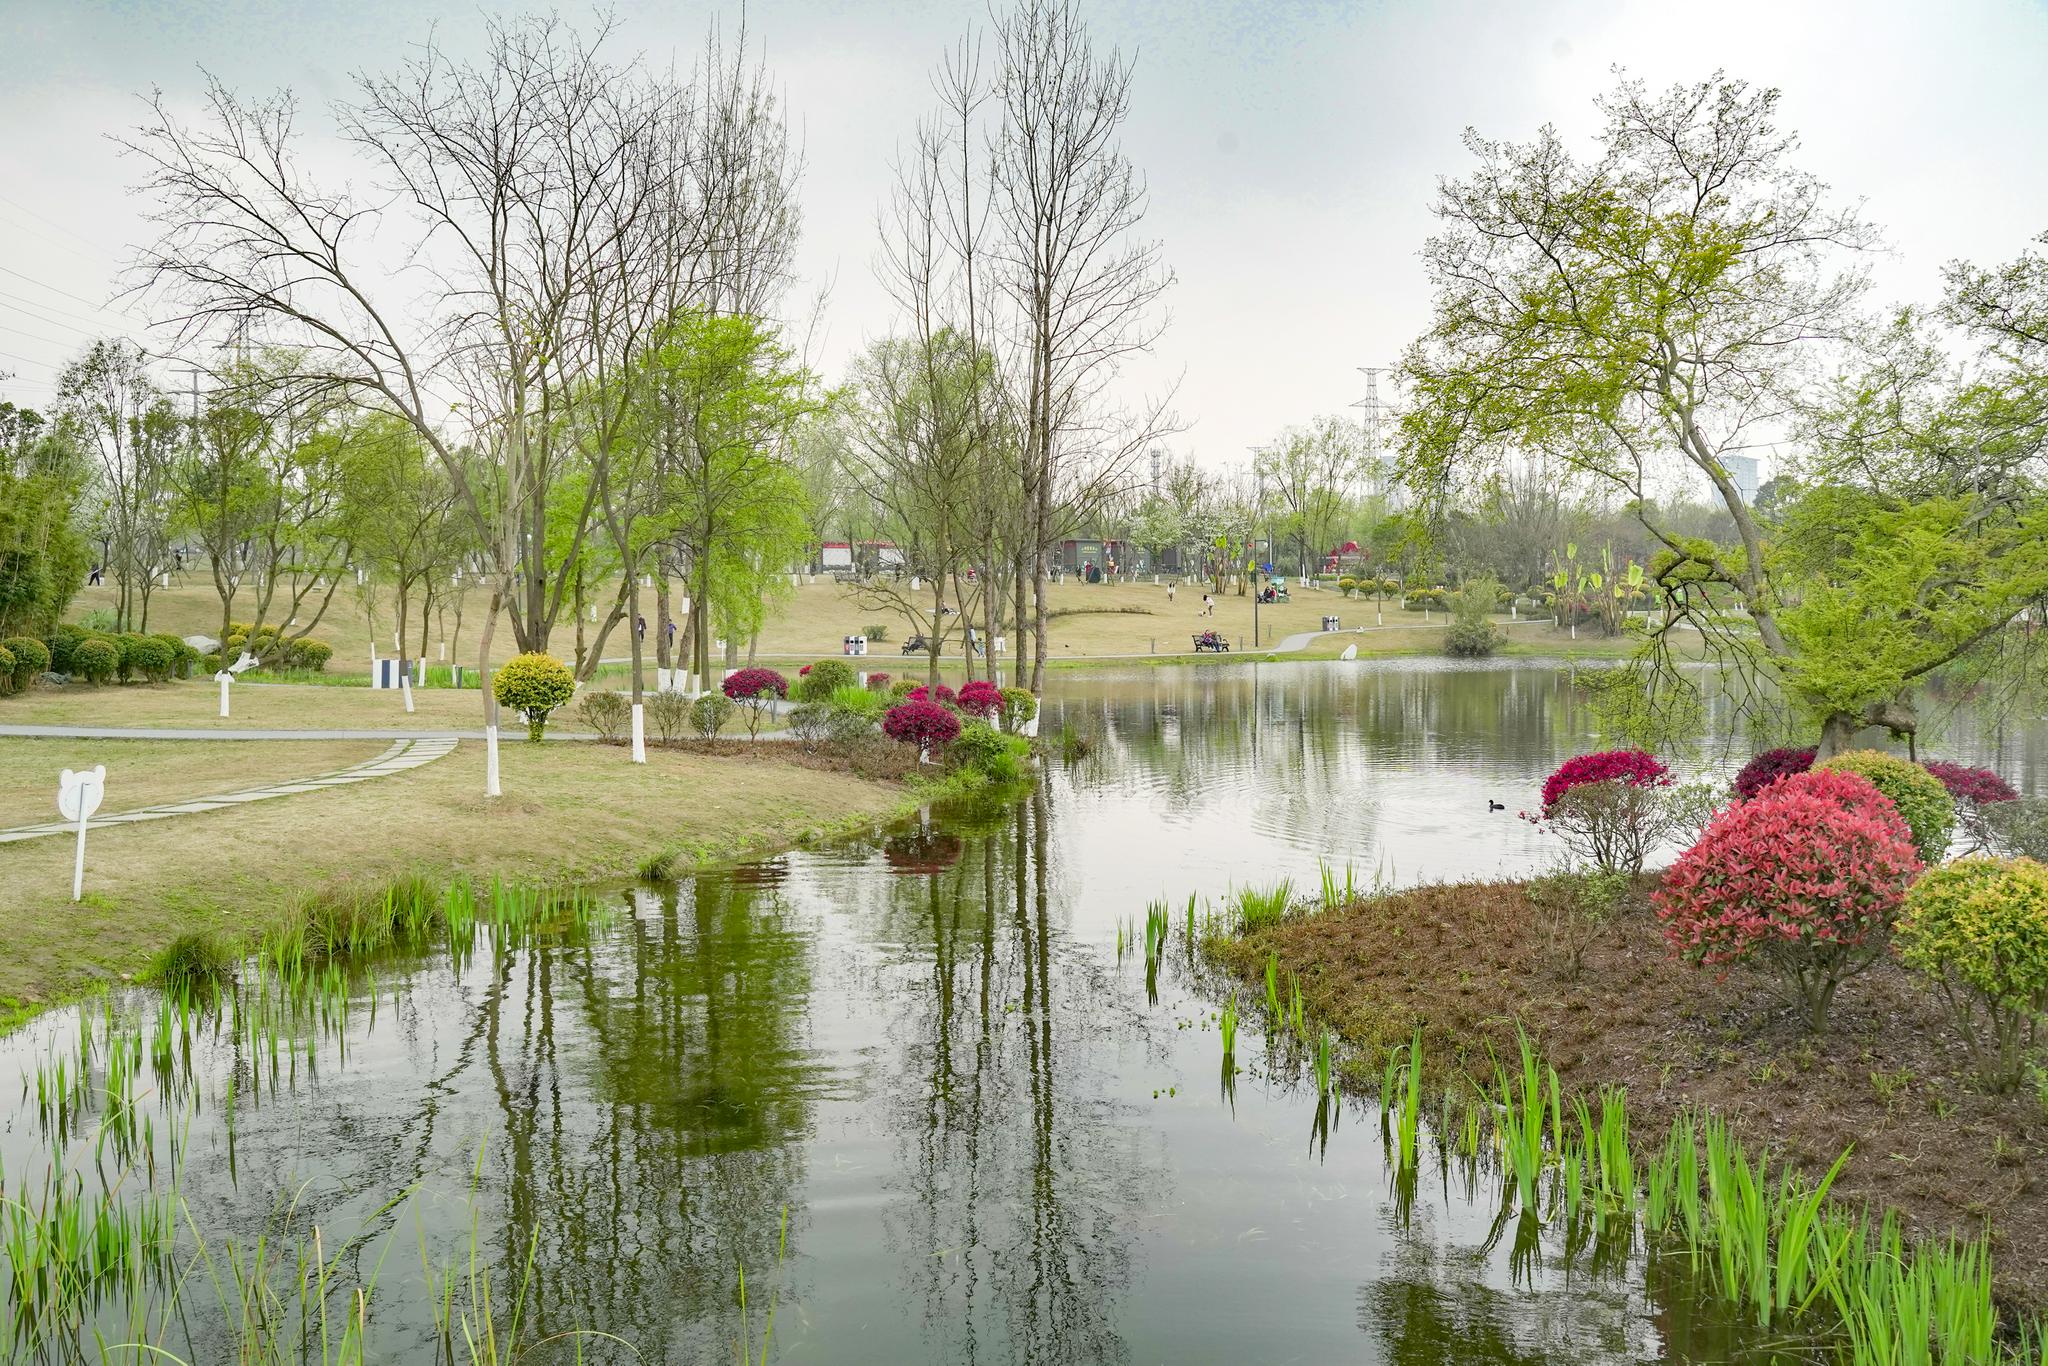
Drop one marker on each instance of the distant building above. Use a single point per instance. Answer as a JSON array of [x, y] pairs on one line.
[[1747, 474]]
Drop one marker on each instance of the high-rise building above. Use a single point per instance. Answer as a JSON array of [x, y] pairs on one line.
[[1747, 474]]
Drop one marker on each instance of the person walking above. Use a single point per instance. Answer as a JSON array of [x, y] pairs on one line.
[[1169, 593], [640, 627], [93, 580], [1208, 605]]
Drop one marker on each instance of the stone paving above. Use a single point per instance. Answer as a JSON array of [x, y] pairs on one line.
[[404, 754]]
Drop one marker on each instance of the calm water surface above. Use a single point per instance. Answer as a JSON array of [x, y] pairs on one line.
[[990, 1145]]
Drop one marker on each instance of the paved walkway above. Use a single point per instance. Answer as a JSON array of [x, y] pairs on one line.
[[404, 754]]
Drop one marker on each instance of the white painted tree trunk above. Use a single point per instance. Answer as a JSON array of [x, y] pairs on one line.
[[491, 788], [639, 733]]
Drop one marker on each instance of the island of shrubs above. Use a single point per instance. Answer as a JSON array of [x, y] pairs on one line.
[[1816, 870]]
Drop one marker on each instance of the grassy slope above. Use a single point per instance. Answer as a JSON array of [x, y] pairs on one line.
[[568, 811]]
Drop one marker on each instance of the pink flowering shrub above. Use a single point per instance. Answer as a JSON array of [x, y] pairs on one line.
[[878, 682], [1766, 768], [1631, 766], [1805, 879], [981, 699], [923, 723], [943, 695]]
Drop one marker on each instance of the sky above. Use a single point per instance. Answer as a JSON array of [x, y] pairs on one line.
[[1291, 148]]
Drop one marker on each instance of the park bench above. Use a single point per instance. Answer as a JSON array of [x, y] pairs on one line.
[[1210, 640]]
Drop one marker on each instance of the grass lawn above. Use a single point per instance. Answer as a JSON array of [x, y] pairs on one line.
[[146, 772], [195, 705], [569, 811], [1090, 621]]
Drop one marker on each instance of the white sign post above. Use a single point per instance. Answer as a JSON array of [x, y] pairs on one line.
[[227, 676], [78, 796]]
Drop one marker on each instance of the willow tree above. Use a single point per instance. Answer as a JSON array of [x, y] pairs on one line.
[[1685, 295]]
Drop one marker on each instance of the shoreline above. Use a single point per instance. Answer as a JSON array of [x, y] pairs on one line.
[[236, 874]]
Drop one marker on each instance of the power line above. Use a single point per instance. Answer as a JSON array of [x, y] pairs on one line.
[[80, 298]]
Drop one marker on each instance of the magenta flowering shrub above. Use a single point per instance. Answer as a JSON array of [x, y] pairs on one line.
[[980, 699], [757, 690], [878, 682], [746, 685], [923, 723], [1968, 784], [1766, 768], [1974, 790], [1631, 766], [942, 695]]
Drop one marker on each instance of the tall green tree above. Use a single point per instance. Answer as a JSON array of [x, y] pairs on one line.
[[724, 396], [44, 554]]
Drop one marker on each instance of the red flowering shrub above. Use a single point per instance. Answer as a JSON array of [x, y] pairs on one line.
[[747, 684], [1805, 878], [1766, 768], [758, 689], [980, 698], [1974, 789], [1631, 766], [925, 724], [878, 682], [804, 672]]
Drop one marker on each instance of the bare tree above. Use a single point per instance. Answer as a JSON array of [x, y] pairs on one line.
[[1082, 285], [109, 400], [521, 182]]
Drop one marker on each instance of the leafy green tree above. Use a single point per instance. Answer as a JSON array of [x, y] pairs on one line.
[[44, 555], [724, 394], [1671, 302]]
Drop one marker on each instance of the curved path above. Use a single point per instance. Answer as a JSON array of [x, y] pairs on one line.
[[408, 753]]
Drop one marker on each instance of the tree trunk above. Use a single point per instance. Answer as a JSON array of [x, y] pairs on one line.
[[483, 673]]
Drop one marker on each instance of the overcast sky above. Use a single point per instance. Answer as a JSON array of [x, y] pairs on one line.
[[1291, 147]]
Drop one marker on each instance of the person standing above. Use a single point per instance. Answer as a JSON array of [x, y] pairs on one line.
[[1169, 593]]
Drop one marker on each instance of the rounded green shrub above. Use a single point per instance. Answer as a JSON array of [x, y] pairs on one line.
[[309, 654], [979, 746], [608, 713], [6, 669], [820, 680], [709, 714], [533, 684], [63, 641], [97, 659], [1979, 928], [902, 688], [27, 657], [149, 657], [1923, 803]]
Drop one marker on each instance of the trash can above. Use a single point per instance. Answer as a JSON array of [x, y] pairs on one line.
[[854, 645], [1330, 624]]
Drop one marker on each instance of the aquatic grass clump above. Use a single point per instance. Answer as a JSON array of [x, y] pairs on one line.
[[196, 962], [1255, 907]]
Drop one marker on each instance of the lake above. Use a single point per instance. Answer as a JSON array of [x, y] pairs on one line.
[[912, 1089]]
